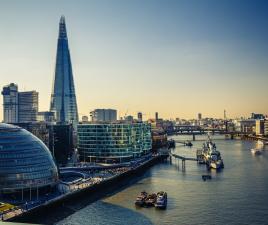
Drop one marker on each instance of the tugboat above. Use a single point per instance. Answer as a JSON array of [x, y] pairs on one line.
[[150, 200], [161, 200], [140, 200]]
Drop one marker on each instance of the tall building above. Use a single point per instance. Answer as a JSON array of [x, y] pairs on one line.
[[103, 115], [156, 116], [139, 116], [19, 107], [28, 106], [10, 103], [63, 99], [199, 116]]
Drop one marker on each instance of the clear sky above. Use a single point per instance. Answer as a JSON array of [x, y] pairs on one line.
[[175, 57]]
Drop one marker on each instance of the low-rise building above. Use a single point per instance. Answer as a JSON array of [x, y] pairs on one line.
[[103, 115], [113, 142], [246, 126]]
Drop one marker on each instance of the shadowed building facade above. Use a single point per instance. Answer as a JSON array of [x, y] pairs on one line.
[[63, 98]]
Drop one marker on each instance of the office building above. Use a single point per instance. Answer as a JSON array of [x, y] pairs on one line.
[[84, 119], [46, 116], [19, 107], [266, 127], [246, 126], [61, 142], [257, 116], [57, 137], [259, 127], [129, 118], [103, 115], [63, 98], [10, 103], [28, 106], [199, 116], [139, 115], [156, 116], [25, 162], [113, 142]]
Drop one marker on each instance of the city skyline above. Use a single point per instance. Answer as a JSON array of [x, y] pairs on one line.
[[177, 59]]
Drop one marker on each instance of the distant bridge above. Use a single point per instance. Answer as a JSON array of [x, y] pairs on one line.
[[197, 130]]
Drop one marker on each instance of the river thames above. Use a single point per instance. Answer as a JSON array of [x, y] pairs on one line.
[[236, 195]]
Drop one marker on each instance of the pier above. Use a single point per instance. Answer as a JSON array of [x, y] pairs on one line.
[[183, 160]]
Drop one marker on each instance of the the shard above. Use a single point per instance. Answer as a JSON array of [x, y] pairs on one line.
[[63, 99]]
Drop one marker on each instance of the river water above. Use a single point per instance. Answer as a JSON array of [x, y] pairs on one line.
[[236, 195]]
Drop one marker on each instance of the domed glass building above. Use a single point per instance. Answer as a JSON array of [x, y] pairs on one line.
[[25, 161]]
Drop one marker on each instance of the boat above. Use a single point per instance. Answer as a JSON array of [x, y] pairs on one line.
[[206, 177], [260, 143], [256, 151], [161, 200], [150, 200], [140, 200], [211, 155], [188, 143]]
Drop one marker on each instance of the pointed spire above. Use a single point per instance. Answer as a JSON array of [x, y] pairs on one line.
[[62, 19], [62, 28]]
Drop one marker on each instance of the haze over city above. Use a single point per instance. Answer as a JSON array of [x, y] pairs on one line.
[[177, 57]]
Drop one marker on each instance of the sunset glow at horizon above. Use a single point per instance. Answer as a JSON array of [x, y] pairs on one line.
[[177, 58]]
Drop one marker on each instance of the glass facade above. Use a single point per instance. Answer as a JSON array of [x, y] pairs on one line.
[[25, 162], [119, 141], [63, 99]]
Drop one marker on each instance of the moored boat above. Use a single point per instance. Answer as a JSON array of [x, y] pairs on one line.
[[150, 200], [212, 156], [161, 200], [140, 200], [256, 151], [260, 143]]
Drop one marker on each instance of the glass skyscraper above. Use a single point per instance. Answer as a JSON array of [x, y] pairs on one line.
[[63, 99]]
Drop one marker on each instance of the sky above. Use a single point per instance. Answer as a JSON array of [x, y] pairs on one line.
[[176, 57]]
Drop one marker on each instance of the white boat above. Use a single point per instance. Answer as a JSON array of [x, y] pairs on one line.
[[260, 143], [256, 151]]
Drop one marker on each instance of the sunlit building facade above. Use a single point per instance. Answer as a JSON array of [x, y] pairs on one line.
[[121, 141], [19, 107]]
